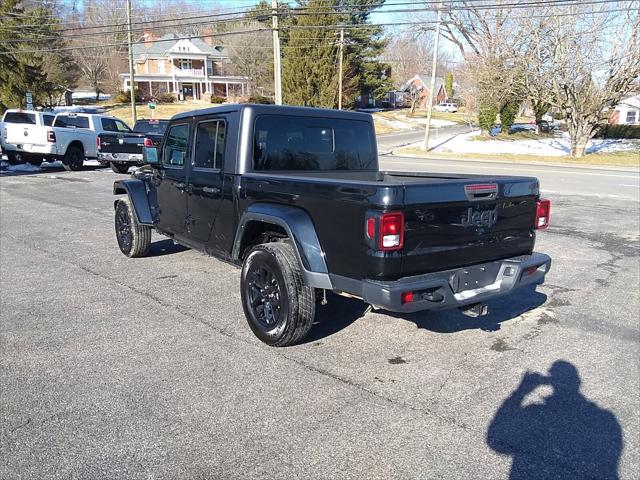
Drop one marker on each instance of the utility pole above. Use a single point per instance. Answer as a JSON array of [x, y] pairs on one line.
[[340, 69], [132, 84], [277, 78], [425, 145]]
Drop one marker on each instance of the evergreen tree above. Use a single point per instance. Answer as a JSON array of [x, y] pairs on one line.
[[310, 57], [448, 84]]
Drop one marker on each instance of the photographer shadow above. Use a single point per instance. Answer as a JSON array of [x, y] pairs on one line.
[[565, 437]]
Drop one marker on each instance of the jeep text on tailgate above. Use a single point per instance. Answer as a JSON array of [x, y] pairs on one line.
[[294, 196]]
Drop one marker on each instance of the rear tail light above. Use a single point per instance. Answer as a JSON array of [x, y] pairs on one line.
[[98, 143], [543, 214], [148, 142], [51, 136], [385, 231], [406, 297]]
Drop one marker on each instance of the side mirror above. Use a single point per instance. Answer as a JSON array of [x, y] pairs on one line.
[[150, 156]]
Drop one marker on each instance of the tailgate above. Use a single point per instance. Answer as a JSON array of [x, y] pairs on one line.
[[121, 143], [20, 133], [460, 223]]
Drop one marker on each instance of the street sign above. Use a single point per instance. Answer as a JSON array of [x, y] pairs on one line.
[[29, 100], [152, 106]]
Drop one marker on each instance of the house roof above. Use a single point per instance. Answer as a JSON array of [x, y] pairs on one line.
[[633, 102], [425, 78], [162, 45]]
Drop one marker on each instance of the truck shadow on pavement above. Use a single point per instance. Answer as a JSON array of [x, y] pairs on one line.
[[165, 247], [341, 312], [563, 435]]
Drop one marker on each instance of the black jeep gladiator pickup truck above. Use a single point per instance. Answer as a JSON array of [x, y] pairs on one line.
[[295, 197], [121, 148]]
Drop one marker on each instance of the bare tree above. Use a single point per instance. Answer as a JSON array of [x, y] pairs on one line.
[[580, 66], [251, 59]]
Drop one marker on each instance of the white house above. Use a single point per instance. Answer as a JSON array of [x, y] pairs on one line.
[[627, 112], [188, 68]]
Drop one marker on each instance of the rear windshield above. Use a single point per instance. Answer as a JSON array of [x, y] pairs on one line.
[[287, 142], [151, 126], [71, 122], [20, 117]]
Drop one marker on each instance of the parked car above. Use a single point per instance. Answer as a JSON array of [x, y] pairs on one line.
[[25, 135], [522, 127], [446, 107], [121, 148], [295, 198]]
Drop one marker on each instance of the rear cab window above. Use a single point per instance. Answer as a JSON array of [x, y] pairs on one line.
[[151, 126], [114, 125], [289, 142], [68, 121], [20, 117]]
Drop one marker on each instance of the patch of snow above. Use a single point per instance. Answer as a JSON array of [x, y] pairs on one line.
[[23, 167], [56, 164], [370, 110], [395, 124], [92, 163], [84, 94], [546, 147]]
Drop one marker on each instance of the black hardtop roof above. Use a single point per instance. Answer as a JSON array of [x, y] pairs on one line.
[[274, 110]]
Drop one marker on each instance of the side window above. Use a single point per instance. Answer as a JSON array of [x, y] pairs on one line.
[[108, 125], [210, 144], [175, 148], [48, 120]]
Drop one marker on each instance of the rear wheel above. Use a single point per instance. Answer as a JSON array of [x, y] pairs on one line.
[[133, 239], [279, 308], [12, 158], [73, 159], [120, 167]]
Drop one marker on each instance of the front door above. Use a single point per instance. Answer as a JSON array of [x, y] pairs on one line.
[[187, 91], [207, 177], [171, 181]]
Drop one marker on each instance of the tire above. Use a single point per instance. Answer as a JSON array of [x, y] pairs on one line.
[[120, 167], [74, 159], [277, 305], [133, 239], [34, 160], [12, 158]]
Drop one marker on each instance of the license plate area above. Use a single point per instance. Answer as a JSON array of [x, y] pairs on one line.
[[474, 277]]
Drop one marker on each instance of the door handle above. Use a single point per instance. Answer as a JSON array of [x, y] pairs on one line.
[[211, 190]]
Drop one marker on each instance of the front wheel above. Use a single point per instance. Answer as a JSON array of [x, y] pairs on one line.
[[120, 167], [279, 308], [133, 239]]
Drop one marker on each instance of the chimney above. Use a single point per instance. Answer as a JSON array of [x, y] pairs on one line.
[[207, 36], [148, 38]]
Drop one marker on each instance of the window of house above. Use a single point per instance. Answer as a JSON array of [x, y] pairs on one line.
[[185, 64], [632, 116], [210, 144], [175, 149], [160, 65]]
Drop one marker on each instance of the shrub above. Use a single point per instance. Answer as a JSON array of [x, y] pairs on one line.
[[217, 99], [166, 98], [487, 116], [618, 131], [260, 99], [125, 97], [508, 114]]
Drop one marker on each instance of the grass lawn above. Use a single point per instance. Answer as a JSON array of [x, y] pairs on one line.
[[162, 110], [619, 159], [382, 127]]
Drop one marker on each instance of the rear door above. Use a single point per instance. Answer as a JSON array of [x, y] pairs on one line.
[[171, 179], [207, 177]]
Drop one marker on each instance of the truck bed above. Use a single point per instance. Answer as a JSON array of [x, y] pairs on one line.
[[447, 224]]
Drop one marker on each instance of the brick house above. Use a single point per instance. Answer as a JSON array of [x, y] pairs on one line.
[[188, 68], [422, 82], [627, 112]]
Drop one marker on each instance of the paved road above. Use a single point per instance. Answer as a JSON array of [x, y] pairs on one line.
[[390, 141], [137, 369]]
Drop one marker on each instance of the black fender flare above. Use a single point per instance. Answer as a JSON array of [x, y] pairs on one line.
[[137, 192], [300, 229]]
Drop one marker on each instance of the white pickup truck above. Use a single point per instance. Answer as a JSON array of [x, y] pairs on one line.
[[25, 136], [71, 138]]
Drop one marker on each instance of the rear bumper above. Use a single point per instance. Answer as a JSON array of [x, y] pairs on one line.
[[433, 291], [133, 158], [48, 150]]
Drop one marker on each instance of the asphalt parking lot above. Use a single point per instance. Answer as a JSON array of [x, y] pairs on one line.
[[113, 367]]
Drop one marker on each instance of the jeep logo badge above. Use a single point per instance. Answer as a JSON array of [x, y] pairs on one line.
[[488, 218]]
